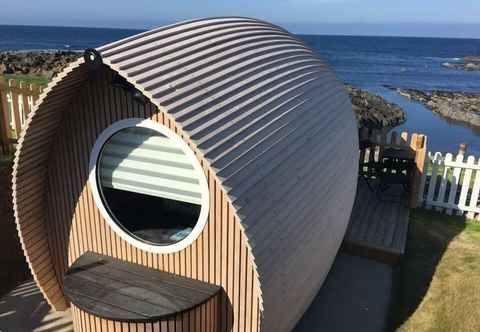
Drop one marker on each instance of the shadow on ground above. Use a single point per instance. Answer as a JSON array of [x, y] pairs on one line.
[[25, 310], [354, 297], [426, 246], [13, 267]]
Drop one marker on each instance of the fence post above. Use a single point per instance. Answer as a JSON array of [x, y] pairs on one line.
[[15, 87], [421, 198], [455, 181], [462, 202], [5, 125], [20, 93], [419, 143], [394, 138], [437, 162]]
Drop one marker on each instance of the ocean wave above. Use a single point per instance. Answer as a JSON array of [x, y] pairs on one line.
[[436, 58]]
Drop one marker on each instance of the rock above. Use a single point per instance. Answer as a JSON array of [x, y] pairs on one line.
[[470, 66], [373, 111], [47, 63], [457, 106], [472, 58]]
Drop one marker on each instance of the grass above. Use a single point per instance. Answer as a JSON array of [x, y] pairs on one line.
[[29, 79], [438, 282]]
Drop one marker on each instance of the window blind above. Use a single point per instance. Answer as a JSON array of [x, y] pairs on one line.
[[142, 160]]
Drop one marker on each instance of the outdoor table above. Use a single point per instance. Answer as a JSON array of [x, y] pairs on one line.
[[398, 163], [399, 154]]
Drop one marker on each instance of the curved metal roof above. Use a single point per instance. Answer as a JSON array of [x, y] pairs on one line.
[[266, 112]]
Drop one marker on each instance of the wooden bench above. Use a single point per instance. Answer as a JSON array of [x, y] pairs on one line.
[[120, 291]]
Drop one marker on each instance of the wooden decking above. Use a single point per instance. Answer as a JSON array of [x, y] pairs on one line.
[[378, 226], [25, 310]]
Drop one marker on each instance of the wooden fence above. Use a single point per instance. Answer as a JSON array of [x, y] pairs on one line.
[[16, 101], [441, 181], [452, 183], [415, 142]]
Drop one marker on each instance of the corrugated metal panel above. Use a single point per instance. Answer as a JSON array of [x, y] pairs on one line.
[[143, 161], [276, 126], [276, 136], [272, 120]]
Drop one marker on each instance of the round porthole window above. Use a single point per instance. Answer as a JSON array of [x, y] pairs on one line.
[[149, 186]]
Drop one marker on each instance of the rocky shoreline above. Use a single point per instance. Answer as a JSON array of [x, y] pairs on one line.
[[474, 58], [469, 63], [457, 106], [45, 63], [371, 111], [469, 66]]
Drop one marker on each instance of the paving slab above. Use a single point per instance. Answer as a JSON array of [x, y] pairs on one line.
[[355, 297]]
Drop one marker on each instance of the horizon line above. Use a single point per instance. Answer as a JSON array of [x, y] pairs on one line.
[[282, 25]]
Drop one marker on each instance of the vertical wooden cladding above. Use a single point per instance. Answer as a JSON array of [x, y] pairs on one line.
[[29, 178], [220, 255], [204, 318]]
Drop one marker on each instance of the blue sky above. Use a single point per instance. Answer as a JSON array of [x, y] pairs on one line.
[[455, 18]]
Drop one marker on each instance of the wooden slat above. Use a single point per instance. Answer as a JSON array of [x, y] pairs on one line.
[[123, 291], [454, 183], [443, 180], [475, 193], [380, 227], [466, 184], [437, 162]]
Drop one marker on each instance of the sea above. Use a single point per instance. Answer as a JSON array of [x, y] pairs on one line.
[[371, 63]]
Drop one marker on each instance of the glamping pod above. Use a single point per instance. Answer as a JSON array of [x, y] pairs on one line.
[[196, 177]]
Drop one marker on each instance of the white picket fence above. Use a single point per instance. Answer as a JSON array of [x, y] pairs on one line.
[[454, 184]]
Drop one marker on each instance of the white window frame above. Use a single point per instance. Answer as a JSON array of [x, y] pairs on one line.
[[93, 182]]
